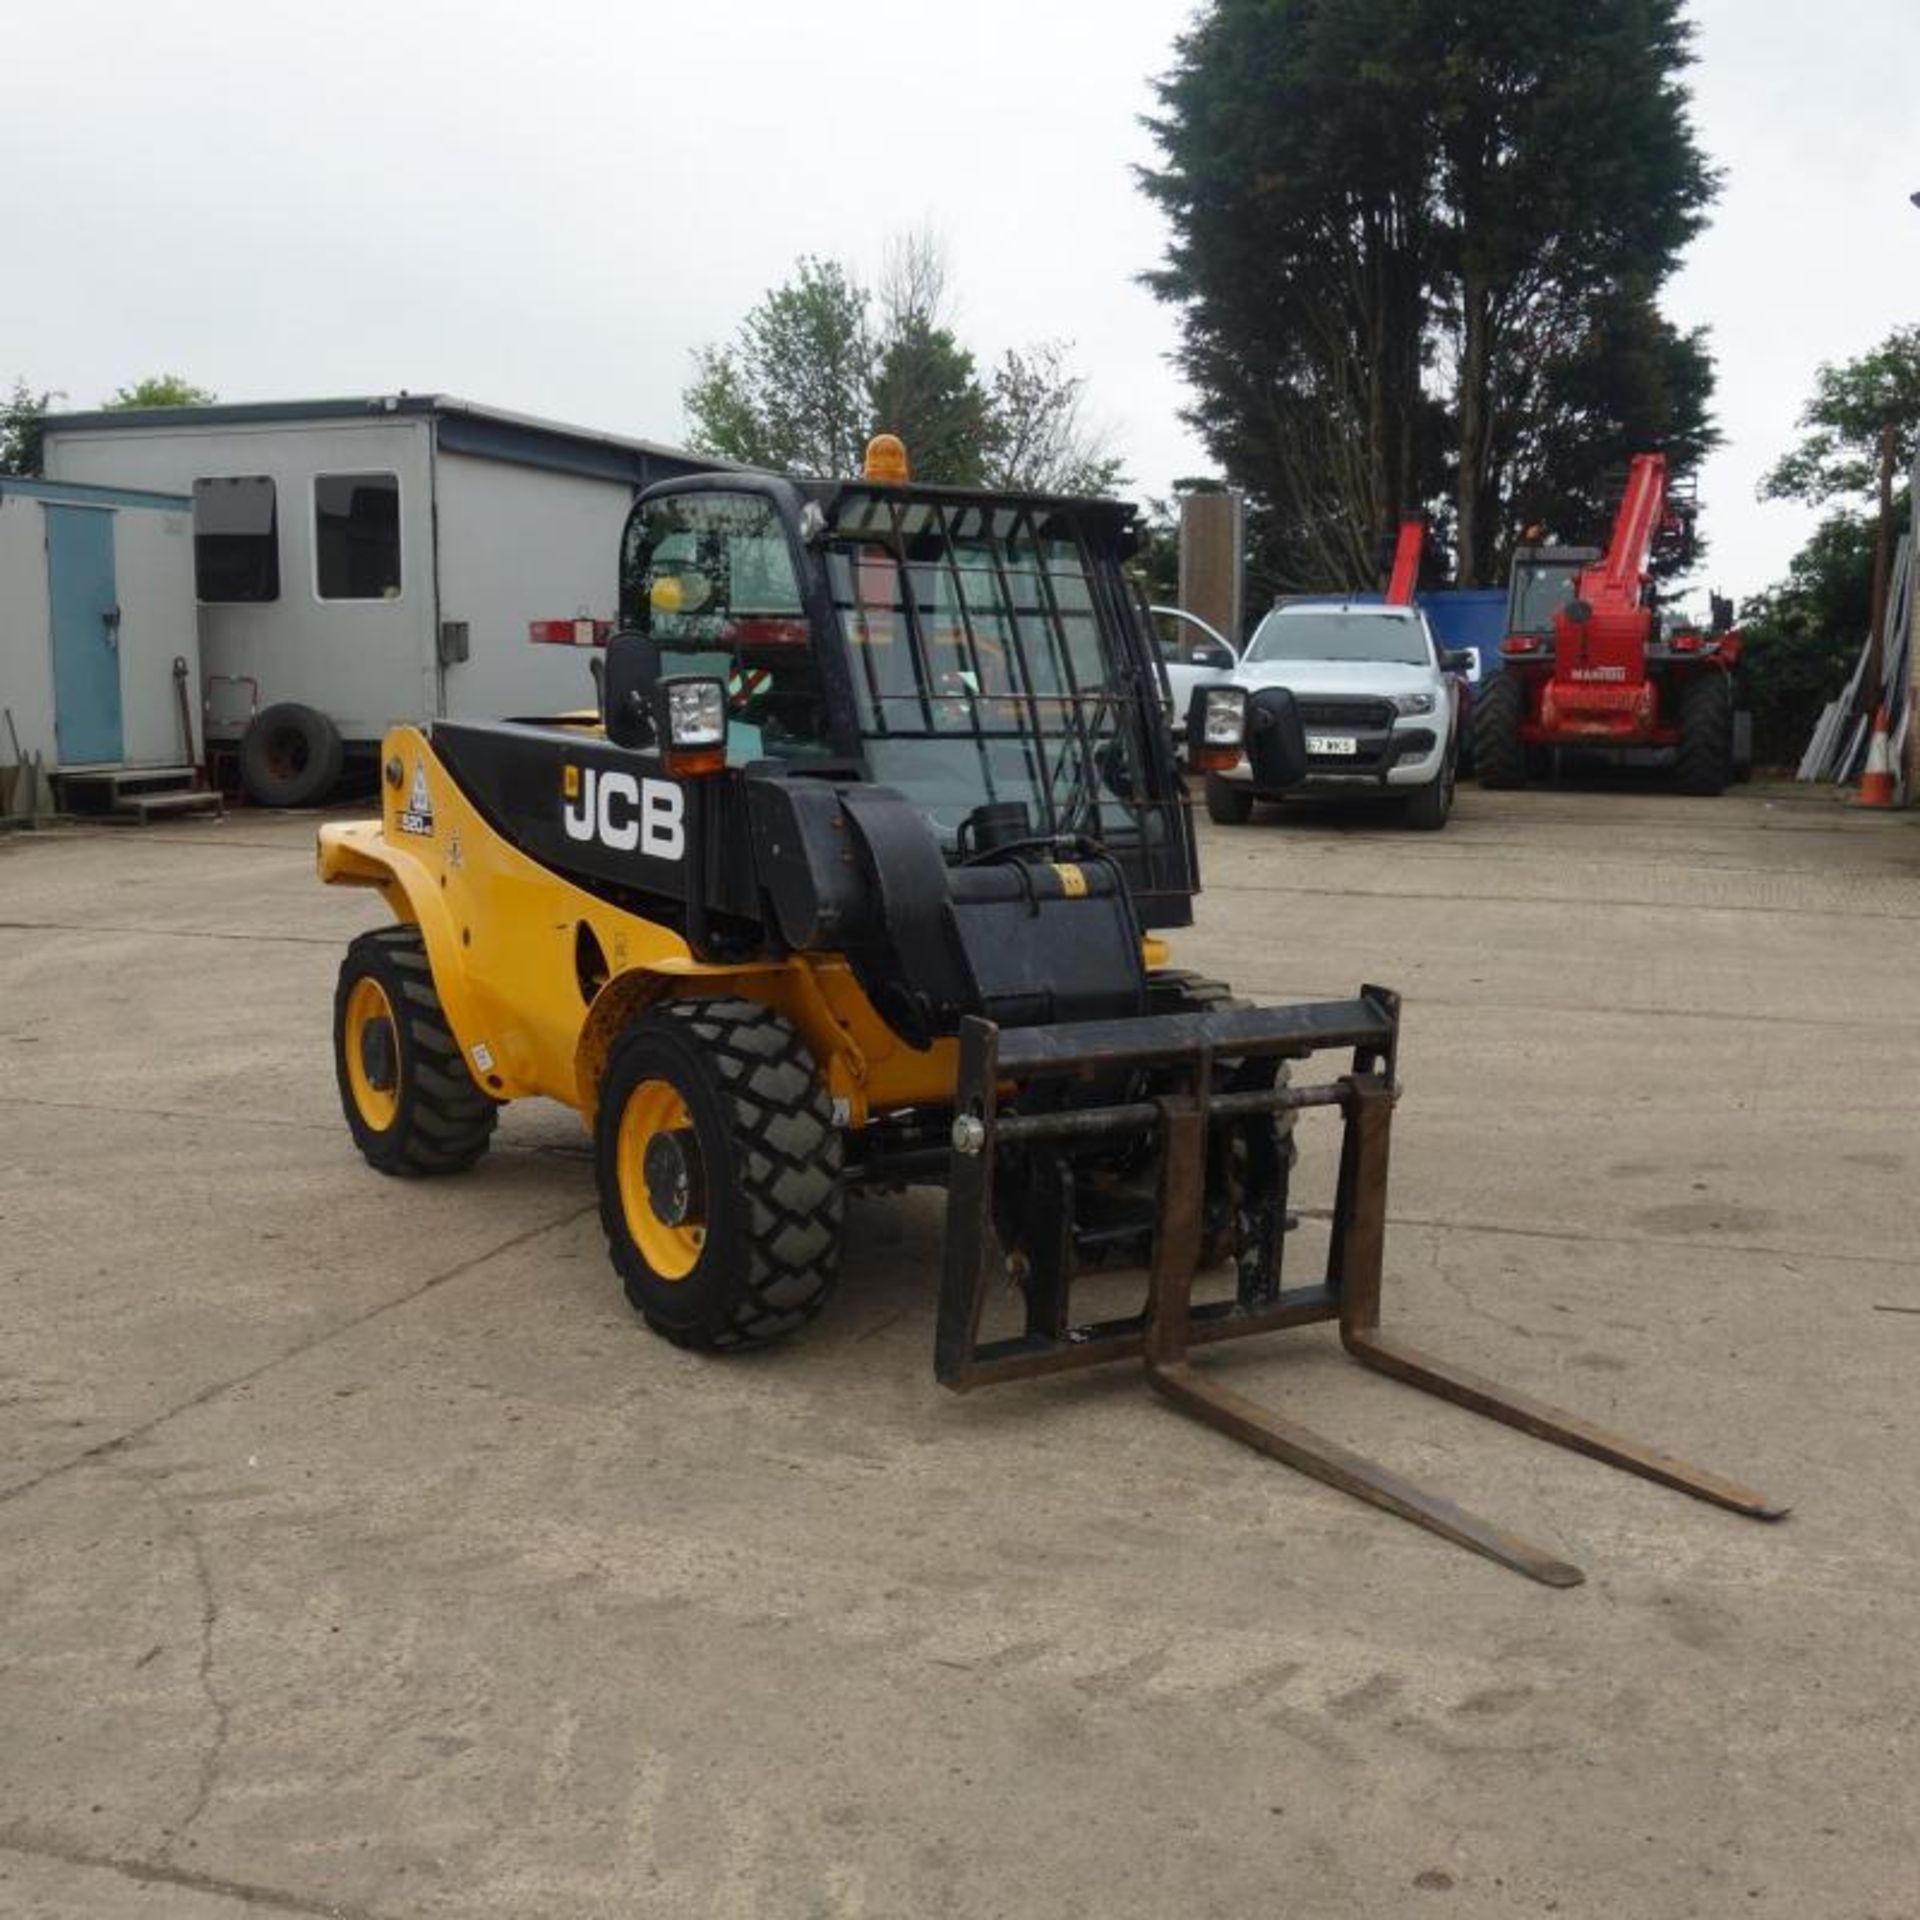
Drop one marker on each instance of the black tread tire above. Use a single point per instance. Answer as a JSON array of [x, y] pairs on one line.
[[1176, 990], [443, 1122], [1428, 806], [1498, 756], [1229, 802], [1704, 761], [306, 734], [770, 1143]]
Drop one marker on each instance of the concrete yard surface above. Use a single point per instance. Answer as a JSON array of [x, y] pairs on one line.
[[361, 1555]]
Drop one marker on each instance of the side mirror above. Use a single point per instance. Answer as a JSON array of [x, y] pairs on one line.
[[1459, 660], [1210, 653], [632, 673]]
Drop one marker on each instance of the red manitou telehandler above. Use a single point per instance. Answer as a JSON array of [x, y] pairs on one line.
[[1587, 661]]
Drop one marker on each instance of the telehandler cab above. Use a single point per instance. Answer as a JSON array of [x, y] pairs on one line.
[[860, 875]]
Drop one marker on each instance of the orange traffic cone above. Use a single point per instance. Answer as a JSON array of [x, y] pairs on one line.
[[1876, 788]]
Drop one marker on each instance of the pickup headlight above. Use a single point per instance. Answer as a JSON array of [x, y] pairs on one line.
[[1407, 703], [1217, 717], [1216, 728]]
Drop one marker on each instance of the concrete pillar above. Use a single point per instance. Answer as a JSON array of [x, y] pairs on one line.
[[1213, 569]]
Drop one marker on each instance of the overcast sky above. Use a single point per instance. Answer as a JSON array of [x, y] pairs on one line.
[[548, 207]]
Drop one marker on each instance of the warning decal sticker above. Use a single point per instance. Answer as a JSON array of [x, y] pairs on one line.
[[418, 817]]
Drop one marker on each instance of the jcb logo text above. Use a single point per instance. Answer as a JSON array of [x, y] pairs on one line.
[[623, 812]]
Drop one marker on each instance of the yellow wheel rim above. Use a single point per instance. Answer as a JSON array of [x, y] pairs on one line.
[[669, 1236], [372, 1044]]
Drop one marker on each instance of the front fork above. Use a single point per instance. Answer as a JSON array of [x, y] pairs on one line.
[[1171, 1324]]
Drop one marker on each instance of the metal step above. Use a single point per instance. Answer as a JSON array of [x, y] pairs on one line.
[[116, 781], [133, 795], [136, 809]]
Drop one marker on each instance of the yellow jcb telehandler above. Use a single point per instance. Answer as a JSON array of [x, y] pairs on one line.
[[860, 874]]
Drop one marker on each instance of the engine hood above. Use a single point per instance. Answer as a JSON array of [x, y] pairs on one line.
[[1375, 679]]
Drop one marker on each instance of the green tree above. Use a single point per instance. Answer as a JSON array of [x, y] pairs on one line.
[[1403, 234], [1568, 169], [1800, 639], [814, 371], [1629, 382], [1038, 438], [923, 385], [791, 391], [1803, 635], [22, 416], [1155, 565], [161, 390], [1296, 189], [1839, 457]]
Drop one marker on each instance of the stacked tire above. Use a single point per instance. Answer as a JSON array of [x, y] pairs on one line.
[[290, 756]]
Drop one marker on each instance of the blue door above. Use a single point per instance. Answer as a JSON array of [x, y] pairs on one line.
[[86, 634]]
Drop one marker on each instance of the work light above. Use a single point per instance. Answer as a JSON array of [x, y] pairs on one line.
[[690, 712]]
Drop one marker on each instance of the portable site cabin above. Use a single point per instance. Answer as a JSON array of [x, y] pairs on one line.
[[99, 646], [363, 562]]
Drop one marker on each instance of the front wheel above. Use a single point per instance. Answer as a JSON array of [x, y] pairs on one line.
[[1499, 757], [1428, 806], [1229, 802], [719, 1169]]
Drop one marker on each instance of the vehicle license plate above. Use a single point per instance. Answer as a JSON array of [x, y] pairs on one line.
[[1332, 743]]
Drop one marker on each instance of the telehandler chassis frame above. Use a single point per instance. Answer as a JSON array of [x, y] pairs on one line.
[[1184, 1048]]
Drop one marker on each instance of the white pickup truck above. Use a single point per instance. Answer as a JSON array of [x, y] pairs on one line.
[[1379, 701]]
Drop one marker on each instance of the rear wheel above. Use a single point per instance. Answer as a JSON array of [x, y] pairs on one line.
[[1705, 758], [1229, 802], [410, 1102], [1498, 754], [719, 1170]]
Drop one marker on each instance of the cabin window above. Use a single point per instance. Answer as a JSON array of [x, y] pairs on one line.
[[236, 539], [356, 536], [710, 576]]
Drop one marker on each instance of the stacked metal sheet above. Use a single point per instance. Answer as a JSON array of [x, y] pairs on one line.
[[1838, 749]]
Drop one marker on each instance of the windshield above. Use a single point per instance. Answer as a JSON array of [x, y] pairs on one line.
[[985, 664], [1376, 634], [1540, 589]]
